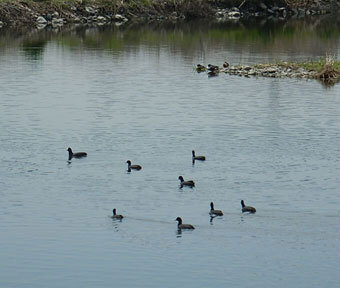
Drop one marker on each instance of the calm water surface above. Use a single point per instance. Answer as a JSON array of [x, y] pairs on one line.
[[132, 93]]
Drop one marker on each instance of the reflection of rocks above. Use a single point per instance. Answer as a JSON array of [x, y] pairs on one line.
[[57, 22], [268, 11]]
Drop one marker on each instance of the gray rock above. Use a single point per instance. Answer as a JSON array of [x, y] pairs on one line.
[[270, 11], [284, 13], [263, 6], [41, 20], [56, 14], [120, 18], [174, 15], [90, 10], [1, 24], [220, 14], [48, 17], [235, 9], [234, 14], [271, 70]]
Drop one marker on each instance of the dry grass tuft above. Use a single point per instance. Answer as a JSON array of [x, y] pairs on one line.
[[329, 74]]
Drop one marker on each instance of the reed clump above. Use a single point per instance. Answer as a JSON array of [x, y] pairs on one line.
[[330, 73]]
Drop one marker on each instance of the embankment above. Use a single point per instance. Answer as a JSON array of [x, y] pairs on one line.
[[42, 13]]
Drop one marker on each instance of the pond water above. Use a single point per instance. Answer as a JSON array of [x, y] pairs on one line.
[[131, 92]]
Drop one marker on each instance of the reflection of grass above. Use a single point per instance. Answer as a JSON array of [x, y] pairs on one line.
[[329, 33], [193, 36], [34, 49]]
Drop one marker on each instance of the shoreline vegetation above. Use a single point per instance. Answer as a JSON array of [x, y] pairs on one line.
[[55, 13], [326, 70]]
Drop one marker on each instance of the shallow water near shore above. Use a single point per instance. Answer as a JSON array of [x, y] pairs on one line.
[[132, 93]]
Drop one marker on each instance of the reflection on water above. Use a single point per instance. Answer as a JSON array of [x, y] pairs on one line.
[[34, 49], [281, 40], [131, 93]]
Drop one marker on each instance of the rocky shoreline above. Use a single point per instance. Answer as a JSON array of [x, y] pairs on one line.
[[14, 13]]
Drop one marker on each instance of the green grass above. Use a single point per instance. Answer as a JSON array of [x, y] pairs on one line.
[[313, 65]]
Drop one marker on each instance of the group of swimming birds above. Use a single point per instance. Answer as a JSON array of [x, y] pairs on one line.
[[213, 70], [190, 183]]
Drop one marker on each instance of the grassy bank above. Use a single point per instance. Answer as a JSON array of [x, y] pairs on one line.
[[189, 8], [25, 12], [314, 65], [325, 69]]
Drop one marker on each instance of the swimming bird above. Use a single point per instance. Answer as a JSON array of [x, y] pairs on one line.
[[214, 212], [200, 68], [183, 226], [115, 216], [75, 155], [247, 208], [213, 68], [189, 183], [135, 167], [194, 157], [225, 64]]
